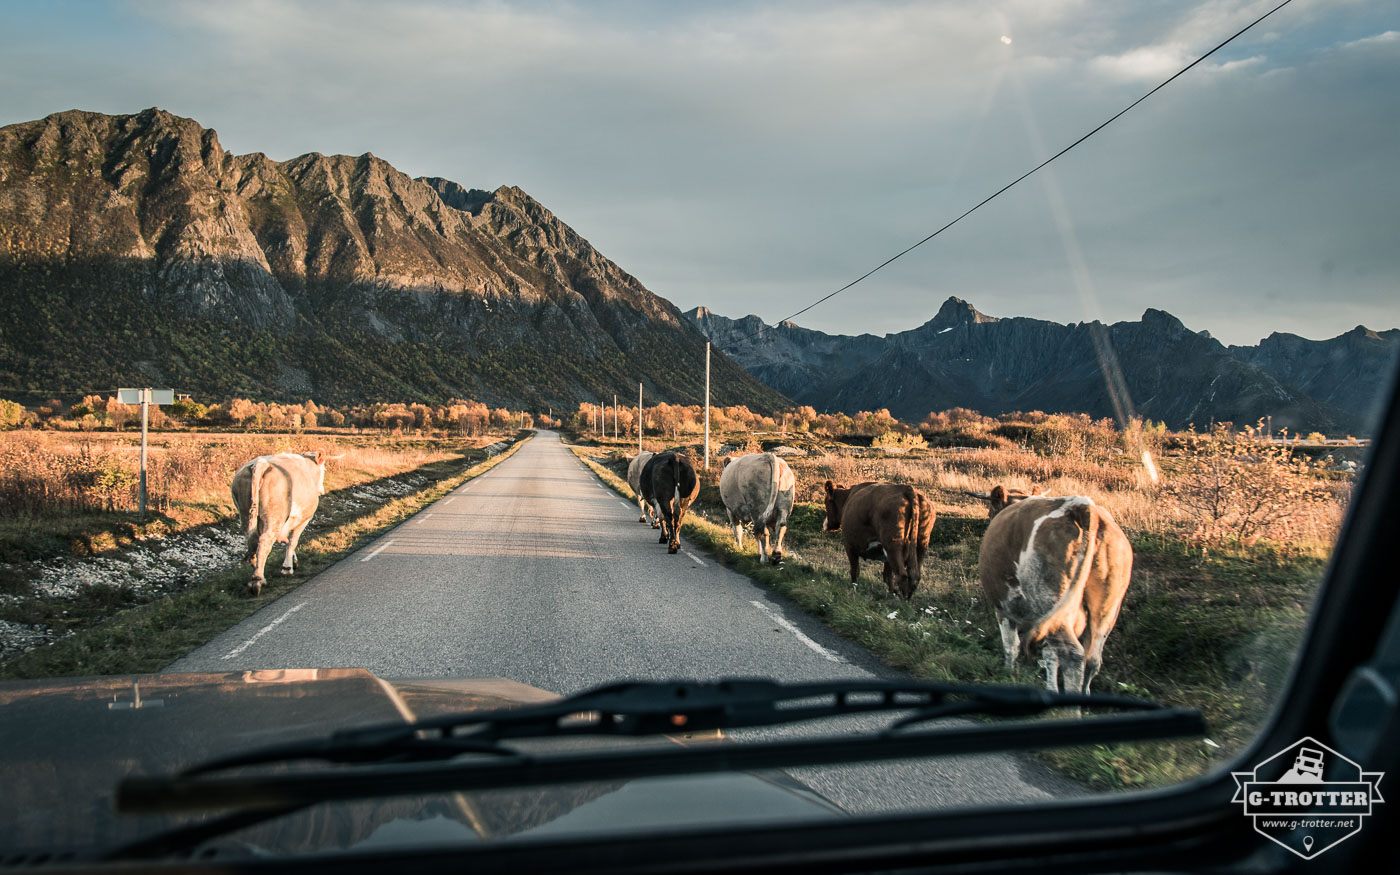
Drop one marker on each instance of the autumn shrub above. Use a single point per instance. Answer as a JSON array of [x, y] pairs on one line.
[[1242, 488]]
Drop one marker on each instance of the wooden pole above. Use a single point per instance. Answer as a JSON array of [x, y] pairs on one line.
[[639, 417], [707, 405], [617, 414]]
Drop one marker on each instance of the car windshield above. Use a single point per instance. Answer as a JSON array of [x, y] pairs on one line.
[[366, 364]]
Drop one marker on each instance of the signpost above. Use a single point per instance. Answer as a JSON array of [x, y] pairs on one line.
[[145, 397]]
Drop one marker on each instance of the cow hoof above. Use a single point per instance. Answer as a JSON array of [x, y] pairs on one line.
[[674, 548], [641, 519], [661, 540], [287, 572], [254, 587], [656, 525]]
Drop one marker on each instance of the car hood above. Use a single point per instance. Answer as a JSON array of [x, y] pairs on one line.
[[69, 741]]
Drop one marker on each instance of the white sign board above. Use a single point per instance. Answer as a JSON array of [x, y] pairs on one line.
[[156, 396]]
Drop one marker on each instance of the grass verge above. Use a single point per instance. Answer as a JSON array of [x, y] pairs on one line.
[[1217, 634], [150, 636]]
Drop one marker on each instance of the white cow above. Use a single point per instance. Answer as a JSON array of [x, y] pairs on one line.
[[759, 488], [276, 497], [635, 464]]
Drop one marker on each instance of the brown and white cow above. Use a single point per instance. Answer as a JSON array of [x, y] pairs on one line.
[[669, 480], [887, 521], [758, 488], [1000, 498], [1055, 571], [635, 464], [276, 497]]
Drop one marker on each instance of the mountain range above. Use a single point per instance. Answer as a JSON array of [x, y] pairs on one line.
[[135, 250], [1164, 371]]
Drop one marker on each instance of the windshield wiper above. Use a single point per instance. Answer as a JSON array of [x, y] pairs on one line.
[[643, 709]]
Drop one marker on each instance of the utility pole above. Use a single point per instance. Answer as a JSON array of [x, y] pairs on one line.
[[639, 417], [617, 414], [707, 405]]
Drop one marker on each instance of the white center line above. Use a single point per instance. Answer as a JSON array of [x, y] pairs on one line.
[[448, 500], [781, 621], [377, 551], [424, 517], [261, 632], [697, 559]]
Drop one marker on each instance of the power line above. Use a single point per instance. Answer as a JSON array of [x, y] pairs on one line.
[[1027, 174]]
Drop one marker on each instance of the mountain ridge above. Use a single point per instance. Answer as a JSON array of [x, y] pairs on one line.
[[964, 358], [134, 247]]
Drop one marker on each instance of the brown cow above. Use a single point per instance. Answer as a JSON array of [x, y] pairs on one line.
[[1055, 571], [885, 521], [276, 497], [670, 482], [1000, 498]]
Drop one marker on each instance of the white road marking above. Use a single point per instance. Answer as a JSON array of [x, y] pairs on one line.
[[377, 551], [448, 500], [261, 632], [781, 621], [424, 517], [696, 558]]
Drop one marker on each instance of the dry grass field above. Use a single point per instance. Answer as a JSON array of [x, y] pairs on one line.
[[1231, 540], [74, 552]]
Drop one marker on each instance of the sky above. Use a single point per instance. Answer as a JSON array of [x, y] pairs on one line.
[[755, 157]]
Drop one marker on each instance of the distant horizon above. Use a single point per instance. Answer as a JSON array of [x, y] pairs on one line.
[[1057, 322]]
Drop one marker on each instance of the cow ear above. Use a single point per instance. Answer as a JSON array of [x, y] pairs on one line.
[[830, 490], [318, 456], [998, 494]]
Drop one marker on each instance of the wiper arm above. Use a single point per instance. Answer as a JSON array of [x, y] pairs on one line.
[[654, 708], [637, 709]]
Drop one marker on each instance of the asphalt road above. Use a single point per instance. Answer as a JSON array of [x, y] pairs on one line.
[[538, 572]]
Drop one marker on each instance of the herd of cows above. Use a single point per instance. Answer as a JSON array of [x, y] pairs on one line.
[[1055, 568]]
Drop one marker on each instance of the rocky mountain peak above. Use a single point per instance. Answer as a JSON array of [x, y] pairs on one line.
[[955, 311], [234, 272]]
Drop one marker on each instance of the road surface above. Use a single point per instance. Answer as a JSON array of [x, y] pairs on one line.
[[538, 572]]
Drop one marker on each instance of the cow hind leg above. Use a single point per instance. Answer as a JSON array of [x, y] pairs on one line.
[[738, 531], [776, 554], [265, 542], [289, 562], [1010, 639], [854, 557]]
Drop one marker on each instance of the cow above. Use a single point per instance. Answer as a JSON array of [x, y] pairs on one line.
[[1055, 570], [635, 464], [1000, 498], [758, 488], [669, 482], [276, 496], [887, 521]]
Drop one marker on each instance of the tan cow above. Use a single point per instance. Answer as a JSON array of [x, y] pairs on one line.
[[1000, 498], [758, 488], [276, 497], [887, 521], [1055, 571], [635, 464]]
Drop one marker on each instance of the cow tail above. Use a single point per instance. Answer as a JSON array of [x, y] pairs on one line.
[[259, 468], [1062, 615], [911, 519], [767, 518]]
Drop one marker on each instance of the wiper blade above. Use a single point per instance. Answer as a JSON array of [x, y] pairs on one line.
[[642, 708], [647, 709]]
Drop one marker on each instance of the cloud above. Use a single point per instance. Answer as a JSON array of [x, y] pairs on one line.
[[1390, 36]]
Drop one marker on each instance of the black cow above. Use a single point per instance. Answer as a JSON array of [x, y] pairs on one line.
[[670, 485]]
